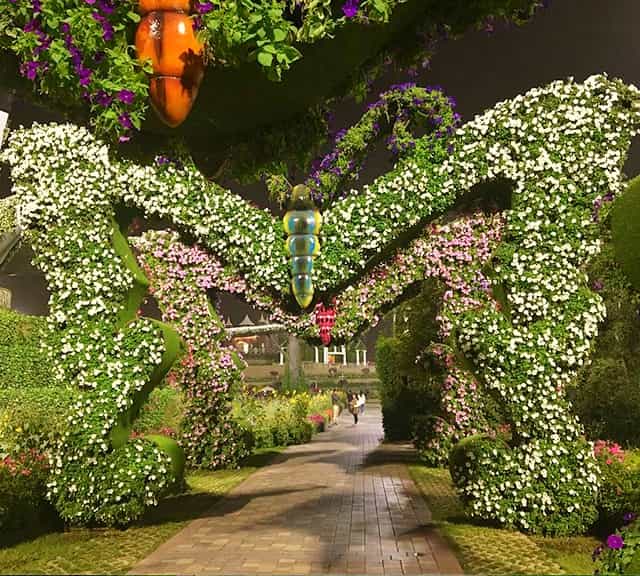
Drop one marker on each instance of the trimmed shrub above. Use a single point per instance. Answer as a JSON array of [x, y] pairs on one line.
[[606, 397], [404, 393], [33, 418], [279, 421], [625, 216], [551, 503]]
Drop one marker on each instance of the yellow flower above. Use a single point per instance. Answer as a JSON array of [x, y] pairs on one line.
[[18, 430]]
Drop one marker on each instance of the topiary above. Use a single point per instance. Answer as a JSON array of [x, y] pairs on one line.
[[549, 500], [625, 230]]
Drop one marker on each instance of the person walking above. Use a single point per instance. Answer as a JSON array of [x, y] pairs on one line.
[[335, 401], [353, 406], [362, 400]]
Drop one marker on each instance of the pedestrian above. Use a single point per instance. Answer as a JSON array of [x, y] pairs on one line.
[[335, 401], [362, 400], [353, 406]]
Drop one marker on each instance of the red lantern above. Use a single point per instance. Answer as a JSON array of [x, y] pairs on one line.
[[325, 319]]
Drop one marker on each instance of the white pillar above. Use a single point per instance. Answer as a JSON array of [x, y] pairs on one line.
[[4, 119], [281, 357], [344, 355], [315, 352], [364, 353], [325, 354]]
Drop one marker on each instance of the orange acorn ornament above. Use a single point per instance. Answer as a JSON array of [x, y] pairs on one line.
[[165, 36]]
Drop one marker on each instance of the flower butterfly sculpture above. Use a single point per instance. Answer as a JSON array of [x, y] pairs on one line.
[[165, 36], [524, 351]]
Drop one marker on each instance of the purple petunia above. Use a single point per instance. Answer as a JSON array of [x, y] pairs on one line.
[[30, 69], [615, 542], [126, 96], [350, 8], [125, 121], [204, 7], [102, 98]]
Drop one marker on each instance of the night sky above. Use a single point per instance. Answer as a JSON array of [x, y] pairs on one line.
[[570, 38]]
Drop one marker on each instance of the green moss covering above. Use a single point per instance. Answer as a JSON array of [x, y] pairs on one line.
[[625, 230]]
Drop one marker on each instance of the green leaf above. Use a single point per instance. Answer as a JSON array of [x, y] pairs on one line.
[[279, 35], [265, 59]]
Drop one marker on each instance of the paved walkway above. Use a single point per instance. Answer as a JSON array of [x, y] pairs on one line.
[[343, 504]]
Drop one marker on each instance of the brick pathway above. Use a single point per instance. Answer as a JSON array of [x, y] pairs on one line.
[[343, 504]]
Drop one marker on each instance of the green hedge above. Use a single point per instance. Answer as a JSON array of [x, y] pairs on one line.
[[410, 382], [22, 360], [33, 418], [163, 410], [607, 393], [625, 230], [278, 421]]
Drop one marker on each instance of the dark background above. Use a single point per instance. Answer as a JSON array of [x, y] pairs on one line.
[[569, 38]]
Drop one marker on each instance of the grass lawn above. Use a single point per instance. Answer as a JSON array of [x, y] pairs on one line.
[[485, 550], [113, 551]]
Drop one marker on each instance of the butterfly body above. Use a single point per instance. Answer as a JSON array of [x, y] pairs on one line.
[[302, 225], [165, 36]]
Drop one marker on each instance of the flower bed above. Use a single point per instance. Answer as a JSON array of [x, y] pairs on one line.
[[22, 489]]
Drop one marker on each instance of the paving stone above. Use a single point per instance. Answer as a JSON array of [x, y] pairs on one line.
[[342, 504]]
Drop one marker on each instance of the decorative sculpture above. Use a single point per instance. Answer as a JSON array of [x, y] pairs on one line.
[[165, 36], [325, 319], [302, 223]]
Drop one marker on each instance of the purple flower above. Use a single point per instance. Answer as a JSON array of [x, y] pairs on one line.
[[197, 23], [125, 121], [126, 96], [629, 517], [615, 542], [30, 69], [84, 74], [204, 7], [350, 8], [102, 98], [105, 6], [31, 26], [597, 285]]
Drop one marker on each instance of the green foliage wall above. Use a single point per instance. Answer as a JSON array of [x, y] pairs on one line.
[[607, 394], [22, 360], [625, 230], [409, 388]]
